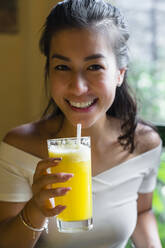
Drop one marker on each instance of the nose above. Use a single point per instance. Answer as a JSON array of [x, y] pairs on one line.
[[78, 84]]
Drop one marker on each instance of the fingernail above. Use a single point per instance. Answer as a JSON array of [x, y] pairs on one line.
[[61, 207], [63, 190], [68, 188], [66, 175], [56, 159], [69, 175]]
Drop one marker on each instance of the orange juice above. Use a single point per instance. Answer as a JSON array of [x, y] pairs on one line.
[[76, 159]]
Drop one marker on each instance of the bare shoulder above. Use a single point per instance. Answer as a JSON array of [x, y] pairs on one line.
[[31, 137], [22, 136], [146, 138]]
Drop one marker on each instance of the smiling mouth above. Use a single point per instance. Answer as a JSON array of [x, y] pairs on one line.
[[82, 105]]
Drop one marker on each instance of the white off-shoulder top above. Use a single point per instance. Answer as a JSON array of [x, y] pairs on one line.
[[115, 192]]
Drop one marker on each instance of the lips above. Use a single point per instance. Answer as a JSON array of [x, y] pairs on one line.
[[81, 105]]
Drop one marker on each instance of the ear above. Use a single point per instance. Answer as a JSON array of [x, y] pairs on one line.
[[120, 76]]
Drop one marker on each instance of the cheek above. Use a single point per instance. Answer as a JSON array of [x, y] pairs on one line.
[[56, 89], [107, 89], [106, 84], [57, 83], [107, 78], [53, 90]]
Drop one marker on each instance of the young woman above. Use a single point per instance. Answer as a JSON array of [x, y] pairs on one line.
[[85, 44]]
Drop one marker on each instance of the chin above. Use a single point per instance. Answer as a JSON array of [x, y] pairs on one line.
[[84, 123]]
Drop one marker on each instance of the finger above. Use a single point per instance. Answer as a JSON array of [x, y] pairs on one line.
[[46, 181], [49, 193], [45, 195], [45, 164], [54, 211]]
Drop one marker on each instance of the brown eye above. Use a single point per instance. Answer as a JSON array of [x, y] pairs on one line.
[[95, 67], [62, 68]]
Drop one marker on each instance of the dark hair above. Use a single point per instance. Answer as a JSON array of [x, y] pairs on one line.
[[99, 15]]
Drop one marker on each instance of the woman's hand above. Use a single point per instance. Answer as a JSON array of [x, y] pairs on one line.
[[42, 189]]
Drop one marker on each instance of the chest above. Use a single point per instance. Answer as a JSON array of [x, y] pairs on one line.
[[107, 158], [102, 158], [112, 228]]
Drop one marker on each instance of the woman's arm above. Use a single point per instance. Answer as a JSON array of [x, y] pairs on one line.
[[146, 231], [16, 233], [13, 232]]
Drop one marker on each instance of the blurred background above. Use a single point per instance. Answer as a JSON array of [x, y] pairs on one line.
[[147, 55], [22, 97]]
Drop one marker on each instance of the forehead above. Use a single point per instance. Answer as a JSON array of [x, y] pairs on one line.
[[80, 41]]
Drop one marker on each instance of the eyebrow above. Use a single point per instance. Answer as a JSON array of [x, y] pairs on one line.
[[90, 57]]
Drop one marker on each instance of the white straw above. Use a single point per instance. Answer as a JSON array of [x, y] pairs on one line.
[[78, 133]]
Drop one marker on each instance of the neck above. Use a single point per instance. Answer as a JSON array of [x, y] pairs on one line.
[[96, 131]]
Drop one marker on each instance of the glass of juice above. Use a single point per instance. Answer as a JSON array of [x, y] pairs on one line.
[[76, 159]]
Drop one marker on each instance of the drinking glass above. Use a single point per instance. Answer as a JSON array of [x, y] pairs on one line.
[[76, 159]]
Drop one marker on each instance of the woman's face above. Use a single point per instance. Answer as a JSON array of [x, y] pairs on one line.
[[83, 75]]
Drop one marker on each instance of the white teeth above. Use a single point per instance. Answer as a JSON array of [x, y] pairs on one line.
[[82, 104]]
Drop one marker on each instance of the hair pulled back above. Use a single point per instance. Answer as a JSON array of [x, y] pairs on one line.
[[102, 16]]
